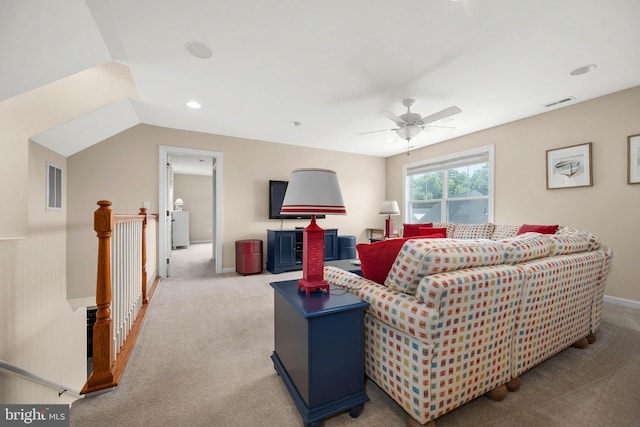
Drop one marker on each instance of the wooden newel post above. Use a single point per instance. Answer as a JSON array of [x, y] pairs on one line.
[[102, 375], [143, 211]]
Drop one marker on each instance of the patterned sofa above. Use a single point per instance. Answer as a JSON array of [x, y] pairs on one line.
[[466, 315]]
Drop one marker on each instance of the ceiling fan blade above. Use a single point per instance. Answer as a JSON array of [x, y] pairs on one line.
[[443, 114], [438, 128], [375, 131], [393, 117]]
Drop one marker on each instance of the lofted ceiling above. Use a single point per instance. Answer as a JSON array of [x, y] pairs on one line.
[[329, 65]]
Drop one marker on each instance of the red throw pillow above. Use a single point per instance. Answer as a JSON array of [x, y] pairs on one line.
[[410, 230], [432, 233], [376, 259], [543, 229]]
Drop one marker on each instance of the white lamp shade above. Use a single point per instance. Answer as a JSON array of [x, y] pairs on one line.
[[390, 207], [313, 191]]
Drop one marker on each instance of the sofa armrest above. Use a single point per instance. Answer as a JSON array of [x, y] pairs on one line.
[[343, 278], [401, 311]]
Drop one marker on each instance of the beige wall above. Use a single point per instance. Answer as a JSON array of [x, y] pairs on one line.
[[124, 169], [197, 193], [39, 330], [36, 111], [609, 208]]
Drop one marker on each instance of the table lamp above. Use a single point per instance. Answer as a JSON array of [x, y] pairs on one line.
[[313, 192], [389, 207]]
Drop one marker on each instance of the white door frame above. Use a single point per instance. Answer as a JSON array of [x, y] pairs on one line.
[[163, 204]]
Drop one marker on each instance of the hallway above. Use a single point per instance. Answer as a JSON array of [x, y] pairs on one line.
[[192, 262]]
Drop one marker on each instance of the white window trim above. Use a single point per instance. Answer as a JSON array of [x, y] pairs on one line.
[[487, 149]]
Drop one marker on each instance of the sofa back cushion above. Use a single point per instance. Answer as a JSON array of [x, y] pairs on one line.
[[421, 257], [505, 231], [500, 283], [473, 231], [525, 247], [567, 230], [450, 226], [564, 245]]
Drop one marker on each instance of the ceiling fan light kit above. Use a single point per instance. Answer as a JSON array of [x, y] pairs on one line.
[[410, 124], [408, 132]]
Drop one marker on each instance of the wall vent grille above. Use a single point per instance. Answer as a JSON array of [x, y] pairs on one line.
[[54, 187]]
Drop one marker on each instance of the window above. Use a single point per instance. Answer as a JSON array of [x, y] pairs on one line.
[[456, 188], [54, 187]]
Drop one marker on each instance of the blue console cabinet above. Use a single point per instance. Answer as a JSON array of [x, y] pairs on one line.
[[284, 249], [319, 350]]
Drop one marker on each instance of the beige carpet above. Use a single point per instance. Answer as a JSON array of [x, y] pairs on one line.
[[202, 359]]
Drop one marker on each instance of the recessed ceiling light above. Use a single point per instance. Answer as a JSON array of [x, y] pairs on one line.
[[194, 104], [199, 50], [295, 123], [584, 69]]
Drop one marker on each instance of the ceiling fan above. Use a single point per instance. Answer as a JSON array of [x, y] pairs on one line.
[[410, 124]]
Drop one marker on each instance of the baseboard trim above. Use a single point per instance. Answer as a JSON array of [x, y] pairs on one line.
[[622, 301]]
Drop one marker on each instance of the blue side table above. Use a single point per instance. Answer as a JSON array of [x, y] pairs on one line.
[[319, 350]]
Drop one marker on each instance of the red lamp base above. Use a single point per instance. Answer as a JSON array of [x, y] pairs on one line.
[[388, 227], [313, 259], [309, 287]]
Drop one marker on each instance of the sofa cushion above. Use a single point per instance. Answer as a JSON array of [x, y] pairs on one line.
[[544, 229], [505, 232], [566, 230], [411, 230], [525, 247], [563, 245], [377, 258], [421, 257], [450, 226], [473, 231]]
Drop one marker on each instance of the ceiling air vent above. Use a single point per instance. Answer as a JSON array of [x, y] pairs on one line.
[[562, 101]]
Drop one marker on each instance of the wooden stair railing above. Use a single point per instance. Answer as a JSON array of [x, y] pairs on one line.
[[109, 362]]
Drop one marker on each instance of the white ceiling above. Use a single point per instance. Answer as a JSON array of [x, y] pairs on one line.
[[331, 65]]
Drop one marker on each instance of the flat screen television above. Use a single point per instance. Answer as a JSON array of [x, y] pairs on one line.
[[276, 197]]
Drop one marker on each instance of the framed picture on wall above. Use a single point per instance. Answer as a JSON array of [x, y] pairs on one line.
[[569, 167], [633, 159]]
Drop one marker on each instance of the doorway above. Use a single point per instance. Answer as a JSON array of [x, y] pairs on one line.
[[167, 203]]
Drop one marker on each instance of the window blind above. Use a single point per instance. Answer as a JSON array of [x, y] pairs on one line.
[[448, 164]]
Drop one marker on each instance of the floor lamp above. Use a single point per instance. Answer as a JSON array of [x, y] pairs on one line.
[[313, 192]]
